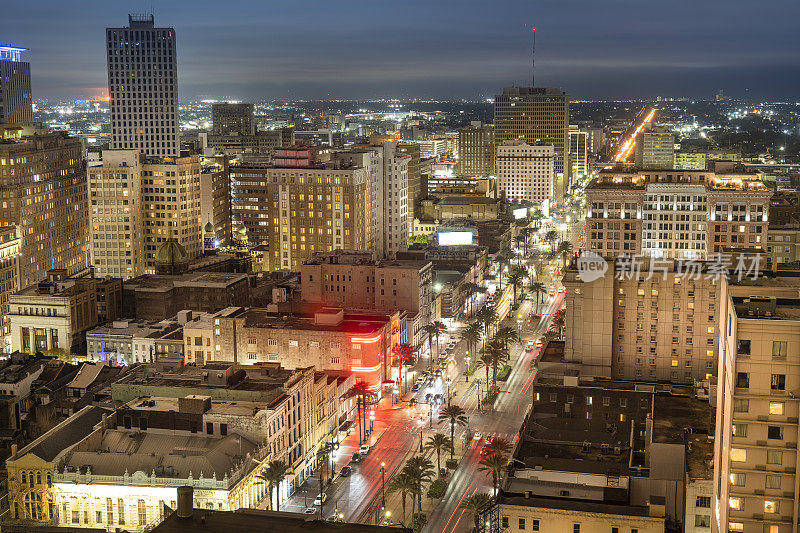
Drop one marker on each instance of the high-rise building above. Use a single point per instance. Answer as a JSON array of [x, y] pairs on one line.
[[15, 86], [261, 143], [43, 191], [297, 206], [232, 119], [215, 200], [578, 152], [138, 203], [416, 188], [538, 116], [525, 172], [143, 87], [476, 151], [389, 177], [654, 148], [676, 214], [755, 452]]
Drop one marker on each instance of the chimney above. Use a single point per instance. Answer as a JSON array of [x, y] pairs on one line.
[[105, 421], [185, 502], [13, 451], [527, 495]]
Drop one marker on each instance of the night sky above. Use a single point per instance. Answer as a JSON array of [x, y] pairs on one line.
[[260, 50]]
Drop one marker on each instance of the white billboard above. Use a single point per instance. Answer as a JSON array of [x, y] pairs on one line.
[[520, 212], [455, 238]]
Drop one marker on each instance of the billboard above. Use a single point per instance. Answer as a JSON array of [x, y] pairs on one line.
[[520, 212], [455, 238]]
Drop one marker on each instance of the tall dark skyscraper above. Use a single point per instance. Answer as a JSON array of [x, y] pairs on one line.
[[15, 86], [539, 116], [143, 87]]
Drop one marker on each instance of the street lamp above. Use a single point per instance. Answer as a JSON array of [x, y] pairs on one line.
[[466, 371], [371, 420], [383, 485], [421, 426]]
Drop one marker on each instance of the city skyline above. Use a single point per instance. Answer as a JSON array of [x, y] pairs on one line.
[[617, 50]]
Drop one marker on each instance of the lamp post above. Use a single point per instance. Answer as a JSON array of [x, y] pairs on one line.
[[383, 485], [421, 426], [466, 370], [371, 420]]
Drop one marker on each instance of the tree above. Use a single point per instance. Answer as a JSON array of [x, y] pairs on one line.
[[538, 288], [520, 240], [421, 471], [486, 317], [404, 353], [493, 463], [405, 485], [469, 290], [497, 353], [472, 336], [360, 391], [559, 320], [497, 445], [434, 329], [537, 217], [507, 334], [476, 504], [515, 278], [551, 237], [485, 361], [272, 475], [453, 414], [564, 248], [439, 443]]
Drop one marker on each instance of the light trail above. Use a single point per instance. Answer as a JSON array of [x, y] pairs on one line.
[[627, 147]]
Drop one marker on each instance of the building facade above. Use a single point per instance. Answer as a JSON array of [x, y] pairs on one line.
[[525, 173], [538, 116], [578, 153], [232, 119], [476, 151], [143, 87], [16, 105]]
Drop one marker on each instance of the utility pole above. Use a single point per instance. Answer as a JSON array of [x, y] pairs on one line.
[[533, 59]]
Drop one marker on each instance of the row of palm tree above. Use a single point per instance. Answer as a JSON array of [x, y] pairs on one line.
[[417, 471], [271, 476]]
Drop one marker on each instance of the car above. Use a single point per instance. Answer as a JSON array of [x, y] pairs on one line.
[[356, 458], [421, 379], [415, 387], [538, 344], [412, 402], [477, 436], [562, 289], [310, 510], [364, 449], [346, 471], [437, 399], [320, 499], [438, 372]]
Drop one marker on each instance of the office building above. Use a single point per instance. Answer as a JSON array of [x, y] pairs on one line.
[[700, 159], [537, 116], [654, 148], [143, 87], [626, 326], [16, 106], [389, 177], [259, 144], [755, 456], [215, 201], [417, 188], [296, 206], [43, 192], [9, 280], [578, 153], [232, 119], [476, 151], [357, 280], [525, 173], [138, 204], [676, 214]]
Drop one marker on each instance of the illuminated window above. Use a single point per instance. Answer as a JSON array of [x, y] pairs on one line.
[[738, 455], [776, 408], [735, 503], [770, 506], [736, 527], [737, 479]]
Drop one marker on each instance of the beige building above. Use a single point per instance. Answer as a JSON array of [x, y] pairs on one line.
[[626, 326], [676, 214], [476, 151], [297, 207], [136, 205], [525, 172], [699, 159], [43, 193], [9, 279], [330, 339], [654, 148], [357, 280], [53, 314], [475, 207], [756, 453]]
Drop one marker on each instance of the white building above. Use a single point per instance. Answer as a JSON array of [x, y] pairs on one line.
[[390, 223], [525, 172], [143, 87], [675, 221]]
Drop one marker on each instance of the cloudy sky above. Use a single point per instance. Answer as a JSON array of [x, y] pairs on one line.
[[449, 49]]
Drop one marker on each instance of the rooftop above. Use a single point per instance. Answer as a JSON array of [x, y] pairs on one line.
[[573, 505], [66, 434], [164, 283], [767, 308]]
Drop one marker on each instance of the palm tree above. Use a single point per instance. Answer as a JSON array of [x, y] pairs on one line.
[[559, 320], [404, 353], [405, 485], [515, 278], [564, 248], [476, 504], [485, 361], [497, 352], [439, 443], [272, 476], [454, 415], [539, 288], [497, 445], [472, 336], [507, 334], [494, 464], [486, 317], [421, 471], [440, 328], [519, 239], [430, 330], [537, 217], [360, 391], [551, 237], [469, 290]]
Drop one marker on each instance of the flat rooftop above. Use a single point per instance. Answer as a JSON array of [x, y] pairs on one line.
[[164, 283], [762, 308], [586, 506], [218, 407], [351, 323]]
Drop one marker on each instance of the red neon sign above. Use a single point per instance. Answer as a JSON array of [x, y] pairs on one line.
[[366, 340]]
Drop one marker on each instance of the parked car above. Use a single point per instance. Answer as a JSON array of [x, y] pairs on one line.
[[412, 402], [346, 471], [320, 499], [356, 458], [415, 387], [364, 449], [310, 510]]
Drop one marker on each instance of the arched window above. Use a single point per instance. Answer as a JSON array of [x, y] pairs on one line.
[[33, 505], [38, 478], [23, 478]]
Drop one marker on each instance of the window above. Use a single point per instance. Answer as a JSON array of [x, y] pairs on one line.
[[576, 528], [521, 523], [142, 513], [776, 408], [223, 429], [504, 521], [774, 457], [772, 481], [741, 405], [775, 432], [735, 527], [738, 454], [121, 511], [778, 382], [535, 525], [737, 479], [703, 501], [252, 340], [109, 511], [742, 380], [740, 430], [779, 350], [736, 503], [770, 506], [702, 520]]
